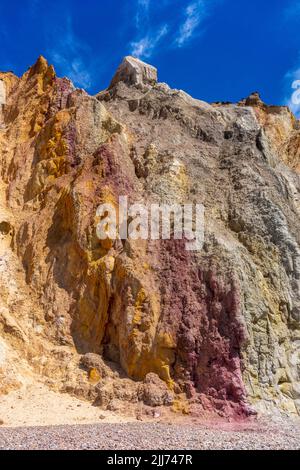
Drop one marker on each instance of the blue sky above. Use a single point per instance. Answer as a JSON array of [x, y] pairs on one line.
[[213, 49]]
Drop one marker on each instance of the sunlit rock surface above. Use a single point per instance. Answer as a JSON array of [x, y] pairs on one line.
[[148, 324]]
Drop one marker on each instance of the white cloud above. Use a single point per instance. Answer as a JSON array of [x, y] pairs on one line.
[[195, 13], [74, 69], [143, 4], [145, 47], [33, 7], [292, 77], [292, 10], [142, 13], [149, 36], [293, 101], [69, 55]]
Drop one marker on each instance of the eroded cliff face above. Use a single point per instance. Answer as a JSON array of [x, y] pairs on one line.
[[148, 322]]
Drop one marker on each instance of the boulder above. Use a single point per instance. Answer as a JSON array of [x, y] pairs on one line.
[[154, 391]]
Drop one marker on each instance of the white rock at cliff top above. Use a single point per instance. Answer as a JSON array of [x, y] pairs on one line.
[[2, 93], [134, 72]]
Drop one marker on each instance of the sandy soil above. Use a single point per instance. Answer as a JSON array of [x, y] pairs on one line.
[[36, 405]]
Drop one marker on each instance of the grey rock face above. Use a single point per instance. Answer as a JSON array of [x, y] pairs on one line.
[[231, 159]]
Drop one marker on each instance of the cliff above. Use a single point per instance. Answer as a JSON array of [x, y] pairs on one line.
[[139, 323]]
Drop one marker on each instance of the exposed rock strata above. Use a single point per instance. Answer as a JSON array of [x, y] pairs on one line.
[[149, 322]]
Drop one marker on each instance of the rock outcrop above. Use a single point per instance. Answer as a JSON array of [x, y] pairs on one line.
[[134, 72], [2, 93], [148, 323]]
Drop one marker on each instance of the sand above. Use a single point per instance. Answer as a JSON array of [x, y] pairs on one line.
[[36, 405]]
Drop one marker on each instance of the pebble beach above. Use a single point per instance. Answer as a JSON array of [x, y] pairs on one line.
[[158, 436]]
